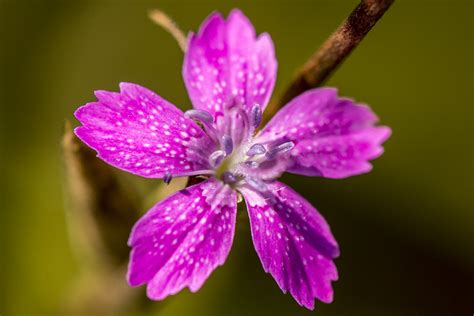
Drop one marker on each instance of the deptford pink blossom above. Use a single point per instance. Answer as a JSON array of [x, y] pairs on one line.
[[229, 73]]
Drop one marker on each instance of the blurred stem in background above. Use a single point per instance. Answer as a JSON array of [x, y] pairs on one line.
[[103, 209], [163, 20], [332, 52]]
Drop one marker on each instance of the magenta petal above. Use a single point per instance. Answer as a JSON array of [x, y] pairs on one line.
[[226, 64], [334, 137], [182, 239], [140, 132], [341, 156], [294, 243]]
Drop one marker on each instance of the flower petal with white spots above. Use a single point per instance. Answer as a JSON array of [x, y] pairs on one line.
[[138, 131], [182, 239], [339, 156], [226, 64], [334, 137], [294, 243]]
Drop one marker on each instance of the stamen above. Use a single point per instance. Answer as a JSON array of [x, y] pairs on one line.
[[200, 115], [257, 184], [227, 144], [256, 149], [256, 115], [252, 164], [280, 149], [167, 177], [207, 121], [228, 177], [216, 158]]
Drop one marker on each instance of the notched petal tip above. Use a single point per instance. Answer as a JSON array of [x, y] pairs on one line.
[[124, 86], [140, 132], [294, 243], [228, 55], [211, 22], [238, 19], [308, 305], [134, 90], [107, 96], [236, 13], [384, 134], [264, 40], [182, 239]]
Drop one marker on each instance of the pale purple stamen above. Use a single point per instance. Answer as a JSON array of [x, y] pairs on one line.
[[216, 158], [252, 164], [167, 178], [199, 115], [228, 177], [280, 149], [256, 184], [256, 115], [227, 144], [256, 149]]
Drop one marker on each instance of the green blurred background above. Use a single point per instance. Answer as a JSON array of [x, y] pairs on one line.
[[405, 230]]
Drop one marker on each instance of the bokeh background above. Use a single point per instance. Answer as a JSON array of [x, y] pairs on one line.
[[405, 230]]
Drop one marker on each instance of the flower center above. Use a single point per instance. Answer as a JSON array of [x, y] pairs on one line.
[[238, 157]]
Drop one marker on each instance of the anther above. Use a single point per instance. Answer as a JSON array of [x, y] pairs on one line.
[[228, 177], [216, 158], [227, 144], [256, 149], [280, 149], [167, 177], [200, 115], [256, 184], [256, 115], [251, 164]]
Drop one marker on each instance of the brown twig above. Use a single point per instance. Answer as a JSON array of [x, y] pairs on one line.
[[101, 213], [333, 51], [163, 20], [103, 209]]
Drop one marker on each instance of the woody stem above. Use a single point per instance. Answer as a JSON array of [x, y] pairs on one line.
[[332, 52]]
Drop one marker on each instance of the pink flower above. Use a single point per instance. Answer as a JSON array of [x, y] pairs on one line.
[[229, 73]]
